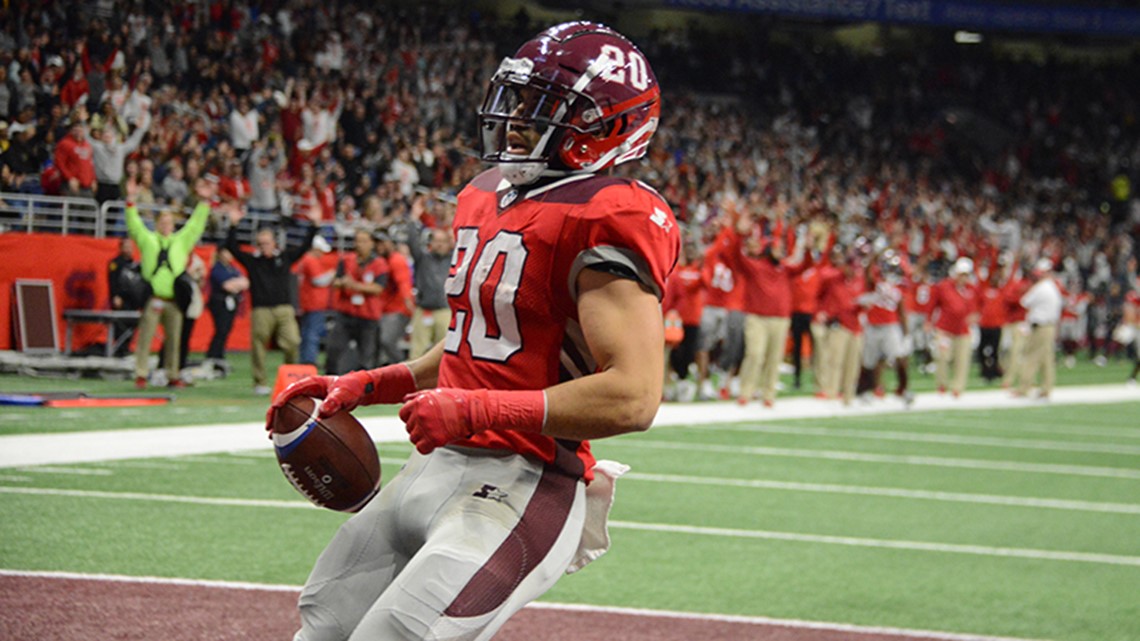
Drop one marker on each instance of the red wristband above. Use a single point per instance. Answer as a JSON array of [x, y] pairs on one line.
[[523, 411], [390, 384]]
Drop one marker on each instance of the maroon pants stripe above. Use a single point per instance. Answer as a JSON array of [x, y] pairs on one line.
[[523, 549]]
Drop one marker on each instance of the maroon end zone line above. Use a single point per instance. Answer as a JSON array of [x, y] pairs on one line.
[[58, 609]]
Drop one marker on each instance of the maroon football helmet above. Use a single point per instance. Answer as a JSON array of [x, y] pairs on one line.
[[585, 89]]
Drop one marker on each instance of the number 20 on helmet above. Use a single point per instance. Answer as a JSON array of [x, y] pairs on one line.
[[587, 92]]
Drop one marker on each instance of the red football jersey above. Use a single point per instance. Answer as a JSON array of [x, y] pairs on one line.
[[358, 304], [512, 287], [722, 286], [883, 303]]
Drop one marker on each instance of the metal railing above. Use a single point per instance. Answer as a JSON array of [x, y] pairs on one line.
[[32, 213], [35, 213]]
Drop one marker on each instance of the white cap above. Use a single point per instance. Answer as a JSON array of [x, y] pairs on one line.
[[1043, 266], [963, 266], [320, 243]]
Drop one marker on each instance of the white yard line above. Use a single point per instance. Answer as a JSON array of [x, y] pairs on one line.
[[797, 537], [47, 449], [891, 492], [931, 437], [863, 457], [921, 546]]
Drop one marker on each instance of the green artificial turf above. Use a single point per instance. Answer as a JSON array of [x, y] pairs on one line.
[[733, 519]]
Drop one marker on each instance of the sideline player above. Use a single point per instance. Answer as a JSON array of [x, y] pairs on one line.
[[556, 338]]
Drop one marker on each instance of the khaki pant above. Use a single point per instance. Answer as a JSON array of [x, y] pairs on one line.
[[429, 326], [167, 312], [842, 358], [948, 349], [1039, 357], [278, 323], [764, 341], [1011, 360]]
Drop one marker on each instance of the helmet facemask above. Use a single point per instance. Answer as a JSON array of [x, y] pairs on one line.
[[521, 107]]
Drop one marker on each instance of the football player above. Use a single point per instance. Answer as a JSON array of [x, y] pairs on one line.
[[555, 339]]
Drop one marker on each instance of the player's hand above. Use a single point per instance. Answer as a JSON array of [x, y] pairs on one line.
[[437, 417], [440, 416], [339, 393]]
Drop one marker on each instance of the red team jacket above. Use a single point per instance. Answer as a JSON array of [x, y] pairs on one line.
[[512, 287], [952, 306], [685, 293], [767, 284], [397, 296], [839, 298]]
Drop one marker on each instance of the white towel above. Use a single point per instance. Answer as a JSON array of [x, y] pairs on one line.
[[599, 499]]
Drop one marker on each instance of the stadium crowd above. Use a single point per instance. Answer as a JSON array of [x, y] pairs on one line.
[[890, 210]]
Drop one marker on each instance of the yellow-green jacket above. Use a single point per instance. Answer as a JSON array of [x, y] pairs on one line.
[[163, 258]]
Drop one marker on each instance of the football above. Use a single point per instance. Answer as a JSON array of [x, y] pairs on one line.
[[330, 461]]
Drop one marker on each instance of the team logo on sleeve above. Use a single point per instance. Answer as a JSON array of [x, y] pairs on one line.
[[661, 219]]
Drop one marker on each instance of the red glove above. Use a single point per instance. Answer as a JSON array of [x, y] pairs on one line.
[[437, 417], [387, 384]]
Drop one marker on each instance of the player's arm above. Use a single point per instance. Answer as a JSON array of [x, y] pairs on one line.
[[621, 323]]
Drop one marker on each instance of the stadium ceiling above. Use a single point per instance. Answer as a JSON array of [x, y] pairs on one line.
[[1099, 19]]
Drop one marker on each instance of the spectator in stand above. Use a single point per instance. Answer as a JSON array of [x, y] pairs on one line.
[[138, 102], [1042, 303], [129, 292], [245, 126], [431, 263], [272, 317], [267, 160], [109, 155], [759, 257], [397, 300], [74, 157], [174, 189], [1015, 329], [990, 323], [842, 283], [164, 256], [227, 284], [314, 297], [23, 160], [76, 90], [885, 338], [954, 310], [357, 288], [7, 91], [722, 320], [233, 187]]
